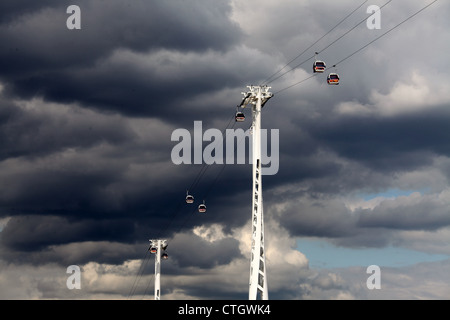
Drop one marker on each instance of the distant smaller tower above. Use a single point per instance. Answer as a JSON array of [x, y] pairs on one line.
[[158, 247]]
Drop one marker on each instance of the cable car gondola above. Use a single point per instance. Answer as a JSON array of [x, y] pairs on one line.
[[240, 116], [333, 79], [165, 256], [202, 207], [189, 198], [153, 250], [319, 66]]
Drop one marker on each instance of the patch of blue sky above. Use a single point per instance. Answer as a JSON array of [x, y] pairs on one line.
[[323, 255], [390, 193]]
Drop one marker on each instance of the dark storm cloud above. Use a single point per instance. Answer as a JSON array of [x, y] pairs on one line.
[[11, 9], [393, 144], [133, 58], [44, 130], [192, 251], [428, 212], [86, 118], [44, 58], [32, 233], [97, 194], [41, 35], [52, 191], [63, 161], [315, 217], [152, 84]]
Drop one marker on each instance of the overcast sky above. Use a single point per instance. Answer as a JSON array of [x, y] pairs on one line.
[[87, 178]]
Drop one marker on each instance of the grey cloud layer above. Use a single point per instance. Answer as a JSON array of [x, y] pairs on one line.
[[86, 117]]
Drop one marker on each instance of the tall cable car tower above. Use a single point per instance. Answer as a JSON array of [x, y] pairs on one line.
[[256, 97], [157, 247]]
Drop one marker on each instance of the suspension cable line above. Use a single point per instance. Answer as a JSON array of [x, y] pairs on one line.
[[393, 28], [326, 47], [142, 267], [299, 55], [353, 28], [363, 47]]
